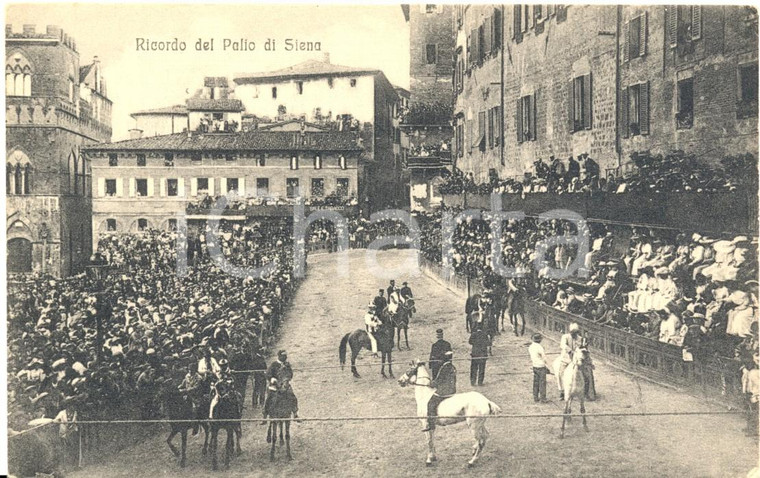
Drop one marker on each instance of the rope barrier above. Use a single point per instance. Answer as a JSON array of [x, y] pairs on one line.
[[373, 364], [404, 417], [34, 428]]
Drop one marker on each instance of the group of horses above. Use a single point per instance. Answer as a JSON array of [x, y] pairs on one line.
[[393, 320], [192, 411]]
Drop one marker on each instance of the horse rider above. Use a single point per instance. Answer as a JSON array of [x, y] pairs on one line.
[[282, 372], [371, 324], [208, 365], [192, 386], [406, 293], [381, 303], [568, 344], [445, 385], [391, 289], [438, 352], [225, 378]]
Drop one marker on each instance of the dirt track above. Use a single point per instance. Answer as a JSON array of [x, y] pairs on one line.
[[328, 306]]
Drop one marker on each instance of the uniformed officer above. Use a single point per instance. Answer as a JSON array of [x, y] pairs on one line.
[[445, 385]]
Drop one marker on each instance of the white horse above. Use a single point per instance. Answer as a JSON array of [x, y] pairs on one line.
[[574, 384], [472, 407]]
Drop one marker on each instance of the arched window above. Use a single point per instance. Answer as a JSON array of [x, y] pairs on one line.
[[18, 76], [18, 178]]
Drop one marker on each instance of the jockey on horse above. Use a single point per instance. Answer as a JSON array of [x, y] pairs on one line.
[[225, 382], [407, 297], [371, 323], [381, 304]]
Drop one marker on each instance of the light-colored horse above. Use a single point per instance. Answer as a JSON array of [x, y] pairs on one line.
[[472, 407], [573, 383]]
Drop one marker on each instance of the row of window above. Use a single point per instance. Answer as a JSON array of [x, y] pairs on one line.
[[175, 187], [261, 160], [488, 134], [299, 87], [527, 17], [18, 178]]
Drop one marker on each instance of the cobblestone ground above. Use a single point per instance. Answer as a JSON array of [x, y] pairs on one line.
[[328, 306]]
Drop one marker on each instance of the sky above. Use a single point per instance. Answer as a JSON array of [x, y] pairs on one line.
[[366, 36]]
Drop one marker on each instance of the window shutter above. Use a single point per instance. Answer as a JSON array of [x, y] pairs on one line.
[[519, 121], [101, 187], [481, 129], [673, 25], [241, 186], [538, 22], [534, 116], [626, 42], [624, 125], [162, 187], [571, 101], [222, 186], [470, 139], [193, 186], [696, 22], [643, 34], [497, 28], [587, 101], [132, 187], [211, 190], [644, 108], [488, 36], [517, 24], [181, 187], [149, 182], [469, 49], [120, 187], [561, 13], [475, 46]]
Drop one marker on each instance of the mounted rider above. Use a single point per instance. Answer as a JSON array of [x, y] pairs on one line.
[[569, 344], [406, 295], [207, 365], [192, 386], [445, 384], [372, 323], [279, 375], [391, 288], [381, 303], [224, 384]]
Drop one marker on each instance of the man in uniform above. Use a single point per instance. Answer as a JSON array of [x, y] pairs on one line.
[[406, 294], [225, 380], [371, 324], [391, 289], [282, 372], [438, 352], [445, 384], [380, 303]]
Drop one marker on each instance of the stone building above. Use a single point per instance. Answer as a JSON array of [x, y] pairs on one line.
[[354, 99], [478, 97], [55, 106], [602, 80], [688, 80], [427, 120]]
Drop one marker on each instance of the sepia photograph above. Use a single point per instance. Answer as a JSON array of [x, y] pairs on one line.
[[381, 240]]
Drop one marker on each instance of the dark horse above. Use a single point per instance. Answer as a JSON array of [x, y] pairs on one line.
[[241, 364], [178, 405], [282, 407], [359, 339], [400, 321], [226, 415]]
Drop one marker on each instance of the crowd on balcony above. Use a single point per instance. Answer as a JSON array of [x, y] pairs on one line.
[[215, 125], [424, 150], [154, 325], [676, 172], [694, 291], [207, 202]]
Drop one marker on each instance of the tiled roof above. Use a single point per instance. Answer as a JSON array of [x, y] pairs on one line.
[[84, 71], [214, 104], [305, 69], [246, 141], [167, 110]]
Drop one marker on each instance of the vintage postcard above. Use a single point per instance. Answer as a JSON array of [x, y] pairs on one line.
[[388, 240]]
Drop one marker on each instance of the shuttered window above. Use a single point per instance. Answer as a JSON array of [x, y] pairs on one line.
[[581, 103], [497, 29], [561, 13], [517, 24], [480, 141], [696, 22], [487, 36], [526, 118], [635, 110], [672, 15], [635, 38], [498, 125]]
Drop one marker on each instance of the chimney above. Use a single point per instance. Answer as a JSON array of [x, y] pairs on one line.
[[135, 133], [326, 57], [54, 31], [8, 29], [29, 29]]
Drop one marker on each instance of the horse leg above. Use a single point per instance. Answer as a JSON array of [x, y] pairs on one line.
[[183, 458], [398, 338], [269, 432], [169, 442], [239, 434], [479, 433], [522, 328], [390, 363], [205, 439], [382, 367], [287, 440], [281, 426], [272, 425], [214, 436], [583, 413], [431, 449], [406, 338], [229, 446], [353, 362], [565, 416]]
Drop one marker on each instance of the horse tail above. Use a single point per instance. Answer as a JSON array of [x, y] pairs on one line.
[[342, 351], [493, 409]]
